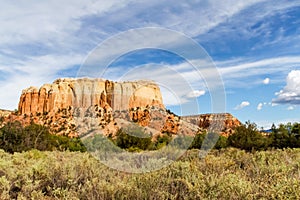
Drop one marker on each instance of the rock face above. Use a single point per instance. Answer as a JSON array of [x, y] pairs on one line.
[[5, 113], [72, 107], [83, 107], [157, 121], [219, 121], [83, 93]]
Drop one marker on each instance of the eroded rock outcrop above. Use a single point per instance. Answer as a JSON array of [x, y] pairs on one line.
[[223, 122], [157, 121], [83, 107], [5, 113], [83, 93], [74, 106]]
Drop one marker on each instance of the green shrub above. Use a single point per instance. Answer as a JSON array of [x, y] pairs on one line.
[[16, 138], [133, 137], [248, 137], [199, 139], [162, 141], [221, 143]]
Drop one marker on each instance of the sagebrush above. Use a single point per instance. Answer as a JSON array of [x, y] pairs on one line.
[[223, 174]]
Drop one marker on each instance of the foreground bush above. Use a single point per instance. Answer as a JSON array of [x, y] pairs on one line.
[[223, 174]]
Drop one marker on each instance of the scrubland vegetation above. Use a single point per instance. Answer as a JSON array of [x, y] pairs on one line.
[[247, 165], [16, 138], [223, 174]]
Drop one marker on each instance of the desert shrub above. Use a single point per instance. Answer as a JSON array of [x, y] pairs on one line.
[[199, 139], [182, 142], [16, 138], [133, 137], [223, 174], [101, 143], [162, 141], [197, 142]]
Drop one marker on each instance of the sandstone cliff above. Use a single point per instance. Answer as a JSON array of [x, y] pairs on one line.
[[5, 113], [83, 93], [218, 121], [74, 106], [83, 107]]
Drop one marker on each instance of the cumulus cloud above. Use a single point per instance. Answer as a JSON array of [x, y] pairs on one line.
[[259, 106], [266, 81], [290, 94], [196, 93], [242, 105], [290, 108]]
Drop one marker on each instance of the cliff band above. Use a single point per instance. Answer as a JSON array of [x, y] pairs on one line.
[[83, 93]]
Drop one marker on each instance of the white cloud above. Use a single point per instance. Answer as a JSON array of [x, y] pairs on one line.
[[259, 106], [258, 24], [257, 67], [290, 108], [48, 22], [39, 39], [290, 94], [234, 72], [196, 93], [242, 105], [73, 24], [33, 72], [266, 81]]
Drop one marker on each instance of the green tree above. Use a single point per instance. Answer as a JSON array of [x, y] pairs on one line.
[[16, 138], [133, 138], [247, 137], [285, 136], [221, 143], [295, 129], [279, 137], [11, 137], [198, 140]]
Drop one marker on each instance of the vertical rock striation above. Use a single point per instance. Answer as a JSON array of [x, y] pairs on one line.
[[83, 93]]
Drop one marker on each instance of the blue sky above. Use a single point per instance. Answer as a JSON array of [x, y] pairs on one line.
[[254, 44]]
